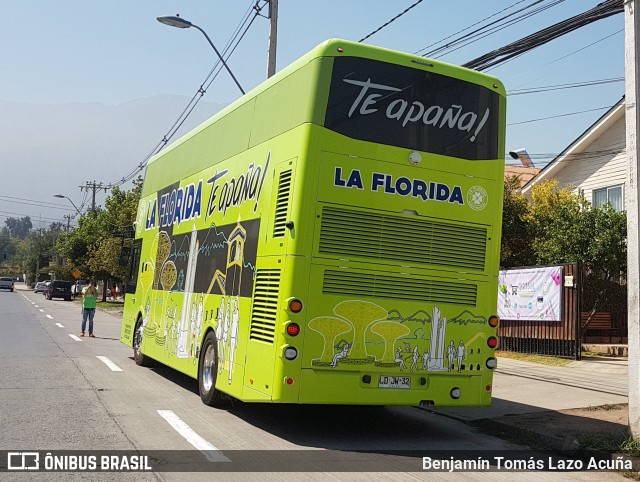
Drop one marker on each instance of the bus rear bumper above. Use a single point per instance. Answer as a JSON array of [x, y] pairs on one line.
[[426, 389]]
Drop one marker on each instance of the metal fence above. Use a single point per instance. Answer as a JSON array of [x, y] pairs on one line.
[[556, 338]]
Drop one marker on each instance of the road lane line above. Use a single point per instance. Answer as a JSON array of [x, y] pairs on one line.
[[50, 317], [60, 325], [36, 305], [109, 363], [41, 310], [74, 337], [209, 451]]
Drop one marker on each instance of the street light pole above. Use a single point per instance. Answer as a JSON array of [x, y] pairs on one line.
[[182, 23], [62, 196]]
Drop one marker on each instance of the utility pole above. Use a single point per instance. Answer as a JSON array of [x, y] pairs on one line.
[[631, 53], [68, 218], [94, 187], [273, 37]]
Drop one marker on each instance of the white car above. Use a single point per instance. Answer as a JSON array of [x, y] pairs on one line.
[[40, 286], [77, 287]]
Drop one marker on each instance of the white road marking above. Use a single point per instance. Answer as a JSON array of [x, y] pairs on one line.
[[74, 337], [60, 325], [50, 317], [41, 310], [209, 451], [109, 363], [36, 305]]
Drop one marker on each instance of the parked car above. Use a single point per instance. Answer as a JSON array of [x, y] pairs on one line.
[[6, 283], [77, 287], [59, 289], [40, 286]]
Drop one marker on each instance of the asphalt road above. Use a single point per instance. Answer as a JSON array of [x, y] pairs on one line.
[[57, 394]]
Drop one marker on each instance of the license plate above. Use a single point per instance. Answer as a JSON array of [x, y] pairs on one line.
[[394, 382]]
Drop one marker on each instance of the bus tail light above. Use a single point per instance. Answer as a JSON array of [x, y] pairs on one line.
[[491, 363], [293, 329], [455, 393], [290, 353], [295, 306], [492, 342], [289, 381], [494, 321]]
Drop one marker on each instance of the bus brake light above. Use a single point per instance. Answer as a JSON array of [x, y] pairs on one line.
[[293, 329], [492, 342]]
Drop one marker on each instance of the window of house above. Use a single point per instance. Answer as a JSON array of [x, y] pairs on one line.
[[612, 195]]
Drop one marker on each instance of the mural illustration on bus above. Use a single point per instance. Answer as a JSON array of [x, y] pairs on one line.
[[177, 282], [364, 333]]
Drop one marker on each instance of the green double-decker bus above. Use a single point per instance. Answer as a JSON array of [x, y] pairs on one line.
[[332, 237]]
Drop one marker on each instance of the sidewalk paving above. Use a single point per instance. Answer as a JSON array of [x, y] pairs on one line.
[[553, 406]]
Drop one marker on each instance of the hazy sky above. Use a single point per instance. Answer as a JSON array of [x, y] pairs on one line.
[[112, 52]]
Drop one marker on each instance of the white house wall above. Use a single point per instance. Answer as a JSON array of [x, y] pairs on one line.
[[601, 164]]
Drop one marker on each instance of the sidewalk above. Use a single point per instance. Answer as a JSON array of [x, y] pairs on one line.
[[553, 407]]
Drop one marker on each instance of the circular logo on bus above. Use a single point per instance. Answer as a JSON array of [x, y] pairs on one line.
[[477, 198]]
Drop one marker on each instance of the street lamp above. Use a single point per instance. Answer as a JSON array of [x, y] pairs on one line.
[[62, 196], [182, 23]]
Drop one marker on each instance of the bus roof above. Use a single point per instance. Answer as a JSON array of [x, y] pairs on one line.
[[339, 48]]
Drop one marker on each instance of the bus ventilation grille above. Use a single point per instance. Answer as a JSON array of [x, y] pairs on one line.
[[402, 239], [265, 305], [282, 204], [399, 287]]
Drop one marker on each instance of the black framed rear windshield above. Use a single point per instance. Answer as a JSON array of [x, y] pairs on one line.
[[405, 107]]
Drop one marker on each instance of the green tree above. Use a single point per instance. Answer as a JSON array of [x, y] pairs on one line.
[[567, 229], [17, 227], [516, 247], [94, 246]]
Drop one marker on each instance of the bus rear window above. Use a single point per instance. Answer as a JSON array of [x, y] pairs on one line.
[[405, 107]]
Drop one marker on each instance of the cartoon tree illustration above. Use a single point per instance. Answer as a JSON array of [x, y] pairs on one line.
[[330, 328], [168, 276], [162, 253], [360, 314], [390, 331]]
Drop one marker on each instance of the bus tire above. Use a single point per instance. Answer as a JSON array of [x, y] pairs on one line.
[[139, 358], [208, 371]]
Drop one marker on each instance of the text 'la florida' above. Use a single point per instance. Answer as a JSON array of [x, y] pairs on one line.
[[381, 182]]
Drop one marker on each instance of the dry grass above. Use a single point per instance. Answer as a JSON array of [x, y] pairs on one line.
[[541, 359]]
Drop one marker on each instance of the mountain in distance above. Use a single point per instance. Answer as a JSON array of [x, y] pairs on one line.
[[48, 149]]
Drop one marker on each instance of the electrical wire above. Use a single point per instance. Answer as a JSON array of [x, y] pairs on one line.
[[390, 21], [242, 29], [526, 44], [534, 90], [492, 27], [560, 115], [32, 202]]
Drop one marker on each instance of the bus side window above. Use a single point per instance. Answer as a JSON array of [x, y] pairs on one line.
[[135, 266]]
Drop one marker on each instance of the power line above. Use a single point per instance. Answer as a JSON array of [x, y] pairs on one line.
[[467, 28], [560, 115], [32, 202], [501, 55], [548, 88], [390, 21], [242, 29], [492, 27]]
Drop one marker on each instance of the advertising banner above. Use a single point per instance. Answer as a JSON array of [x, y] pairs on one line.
[[530, 294]]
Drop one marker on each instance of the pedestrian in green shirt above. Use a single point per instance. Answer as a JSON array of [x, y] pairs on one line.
[[89, 295]]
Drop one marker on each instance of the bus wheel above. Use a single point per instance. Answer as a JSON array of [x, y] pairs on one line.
[[208, 371], [139, 358]]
